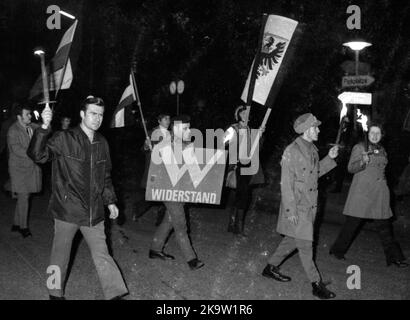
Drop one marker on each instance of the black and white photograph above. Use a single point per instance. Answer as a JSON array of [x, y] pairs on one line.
[[205, 156]]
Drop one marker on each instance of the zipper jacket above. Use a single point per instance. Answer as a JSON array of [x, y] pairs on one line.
[[81, 174]]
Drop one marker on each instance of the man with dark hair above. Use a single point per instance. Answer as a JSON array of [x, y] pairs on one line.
[[25, 175], [81, 186], [156, 135], [175, 214]]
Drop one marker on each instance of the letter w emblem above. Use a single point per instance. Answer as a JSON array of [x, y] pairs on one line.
[[190, 164]]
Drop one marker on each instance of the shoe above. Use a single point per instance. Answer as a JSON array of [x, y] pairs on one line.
[[195, 264], [398, 264], [160, 255], [25, 232], [15, 228], [56, 298], [272, 272], [338, 256], [120, 297], [320, 291]]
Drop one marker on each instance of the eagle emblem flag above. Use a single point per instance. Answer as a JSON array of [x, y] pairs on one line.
[[277, 35]]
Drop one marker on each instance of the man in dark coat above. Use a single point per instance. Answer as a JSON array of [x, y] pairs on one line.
[[81, 186], [301, 169], [25, 175]]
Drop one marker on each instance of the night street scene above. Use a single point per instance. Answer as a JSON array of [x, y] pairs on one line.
[[205, 155]]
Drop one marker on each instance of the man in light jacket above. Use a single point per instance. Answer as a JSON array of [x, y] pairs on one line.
[[301, 169]]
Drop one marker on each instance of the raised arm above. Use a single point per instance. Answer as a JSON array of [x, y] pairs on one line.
[[356, 161]]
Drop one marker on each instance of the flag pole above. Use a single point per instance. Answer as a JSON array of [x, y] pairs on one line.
[[255, 66], [137, 98], [65, 64]]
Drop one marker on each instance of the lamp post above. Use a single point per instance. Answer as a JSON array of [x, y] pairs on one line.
[[356, 46]]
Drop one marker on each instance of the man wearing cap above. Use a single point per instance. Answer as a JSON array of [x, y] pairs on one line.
[[175, 214], [301, 169]]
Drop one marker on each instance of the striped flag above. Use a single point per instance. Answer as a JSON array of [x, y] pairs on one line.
[[59, 70], [123, 115], [277, 33]]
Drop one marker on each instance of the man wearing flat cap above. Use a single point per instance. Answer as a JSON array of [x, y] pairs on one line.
[[301, 169]]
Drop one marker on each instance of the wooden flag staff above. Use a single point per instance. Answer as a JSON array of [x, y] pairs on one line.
[[137, 98]]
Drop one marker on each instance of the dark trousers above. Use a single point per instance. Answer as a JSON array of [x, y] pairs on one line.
[[384, 228], [243, 190]]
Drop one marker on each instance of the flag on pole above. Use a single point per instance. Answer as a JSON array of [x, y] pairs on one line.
[[59, 70], [277, 35], [123, 115]]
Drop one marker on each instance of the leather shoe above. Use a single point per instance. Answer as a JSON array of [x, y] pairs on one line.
[[195, 264], [320, 291], [56, 298], [25, 232], [160, 255], [272, 272], [15, 228], [398, 264], [338, 256]]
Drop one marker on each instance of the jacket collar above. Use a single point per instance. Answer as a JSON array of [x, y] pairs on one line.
[[78, 131], [304, 146]]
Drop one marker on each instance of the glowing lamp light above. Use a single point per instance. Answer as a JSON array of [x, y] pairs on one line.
[[343, 112], [67, 14], [39, 52], [357, 45]]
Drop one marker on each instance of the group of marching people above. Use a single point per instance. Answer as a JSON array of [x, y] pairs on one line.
[[82, 187]]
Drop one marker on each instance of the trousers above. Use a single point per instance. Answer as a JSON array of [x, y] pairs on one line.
[[384, 228], [21, 211], [174, 219], [305, 249], [108, 273]]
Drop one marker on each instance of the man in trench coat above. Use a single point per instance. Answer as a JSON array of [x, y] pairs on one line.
[[301, 169], [25, 175]]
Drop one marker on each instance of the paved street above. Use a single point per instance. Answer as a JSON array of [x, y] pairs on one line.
[[232, 266]]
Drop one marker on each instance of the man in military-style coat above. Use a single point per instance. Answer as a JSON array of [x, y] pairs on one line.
[[301, 169]]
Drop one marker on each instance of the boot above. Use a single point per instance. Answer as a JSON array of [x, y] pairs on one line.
[[271, 271], [195, 264], [232, 220], [240, 223], [320, 291]]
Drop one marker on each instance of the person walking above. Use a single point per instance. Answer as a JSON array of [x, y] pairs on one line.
[[301, 169], [25, 175], [81, 187], [369, 199], [175, 214], [239, 135]]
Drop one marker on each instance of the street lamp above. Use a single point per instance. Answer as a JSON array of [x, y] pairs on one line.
[[357, 46]]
